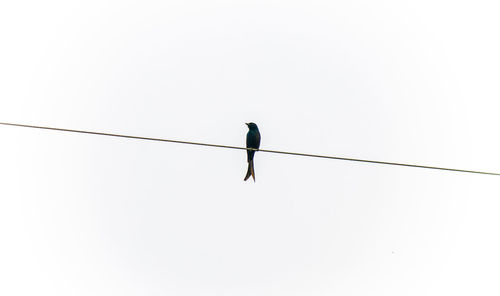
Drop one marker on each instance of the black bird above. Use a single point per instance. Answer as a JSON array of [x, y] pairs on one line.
[[253, 141]]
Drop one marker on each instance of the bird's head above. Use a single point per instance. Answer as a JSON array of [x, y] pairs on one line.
[[252, 126]]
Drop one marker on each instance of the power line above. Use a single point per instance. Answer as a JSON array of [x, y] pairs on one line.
[[244, 148]]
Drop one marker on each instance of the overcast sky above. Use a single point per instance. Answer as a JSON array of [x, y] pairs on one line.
[[403, 81]]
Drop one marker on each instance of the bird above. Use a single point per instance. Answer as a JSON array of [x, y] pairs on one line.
[[253, 141]]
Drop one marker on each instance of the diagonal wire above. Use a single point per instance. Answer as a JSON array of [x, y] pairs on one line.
[[244, 148]]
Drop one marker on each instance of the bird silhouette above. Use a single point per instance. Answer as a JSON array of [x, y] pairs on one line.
[[253, 141]]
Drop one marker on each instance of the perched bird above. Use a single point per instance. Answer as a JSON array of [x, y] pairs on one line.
[[253, 141]]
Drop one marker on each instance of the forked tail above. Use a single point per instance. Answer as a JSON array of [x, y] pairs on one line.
[[250, 171]]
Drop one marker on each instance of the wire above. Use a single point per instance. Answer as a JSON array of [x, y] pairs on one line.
[[244, 148]]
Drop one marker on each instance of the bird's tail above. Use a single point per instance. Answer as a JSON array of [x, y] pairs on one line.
[[250, 171]]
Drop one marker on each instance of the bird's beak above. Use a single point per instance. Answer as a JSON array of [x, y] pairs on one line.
[[247, 123]]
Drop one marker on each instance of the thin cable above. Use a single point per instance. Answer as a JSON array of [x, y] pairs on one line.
[[244, 148]]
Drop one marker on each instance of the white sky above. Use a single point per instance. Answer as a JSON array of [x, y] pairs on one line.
[[404, 81]]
